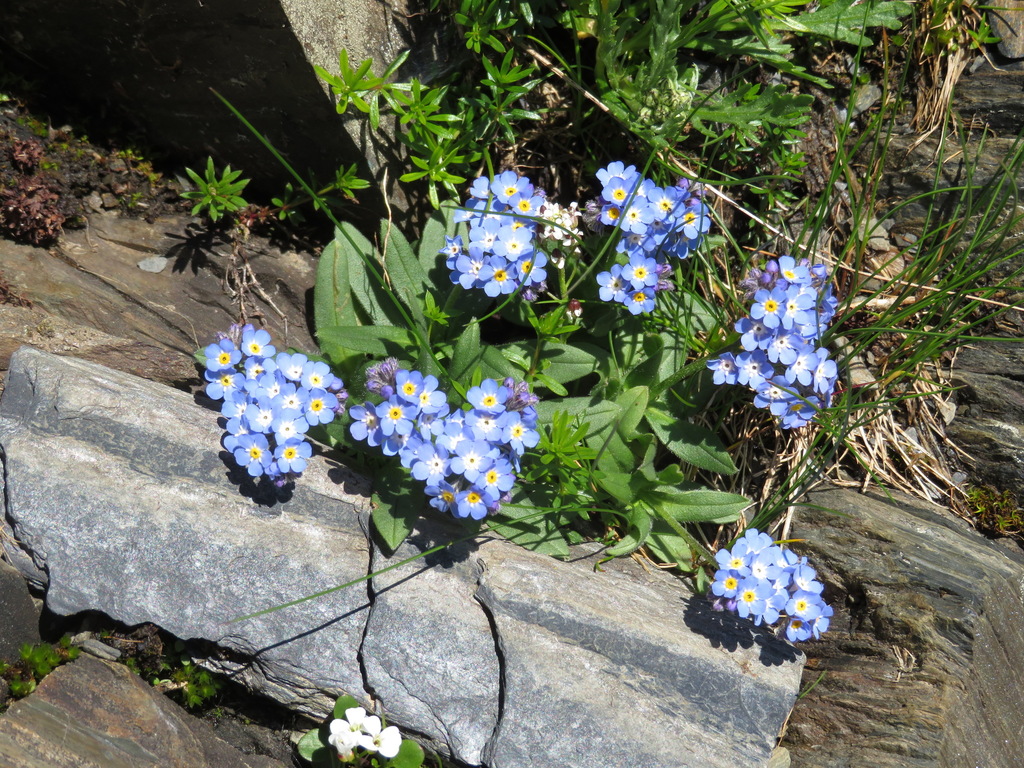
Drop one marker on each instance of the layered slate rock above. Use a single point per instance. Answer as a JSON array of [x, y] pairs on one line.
[[116, 490], [492, 654], [94, 714], [924, 666], [990, 412]]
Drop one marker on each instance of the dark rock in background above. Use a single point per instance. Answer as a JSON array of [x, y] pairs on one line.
[[1006, 17], [94, 714], [151, 66], [990, 413], [19, 617], [923, 665]]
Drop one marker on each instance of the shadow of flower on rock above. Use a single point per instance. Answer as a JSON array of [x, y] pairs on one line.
[[728, 631], [262, 492]]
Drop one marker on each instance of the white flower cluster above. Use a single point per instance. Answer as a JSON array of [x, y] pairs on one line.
[[358, 729], [563, 230]]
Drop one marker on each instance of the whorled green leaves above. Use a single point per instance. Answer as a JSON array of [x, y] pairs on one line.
[[618, 447]]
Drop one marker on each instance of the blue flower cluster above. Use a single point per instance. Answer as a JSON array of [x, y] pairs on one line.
[[271, 399], [466, 457], [793, 304], [655, 223], [501, 256], [762, 581]]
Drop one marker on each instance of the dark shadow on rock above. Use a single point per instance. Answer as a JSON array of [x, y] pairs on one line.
[[194, 248], [262, 492], [305, 633], [728, 631]]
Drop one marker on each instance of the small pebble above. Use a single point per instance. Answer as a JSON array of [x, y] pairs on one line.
[[153, 264], [100, 650]]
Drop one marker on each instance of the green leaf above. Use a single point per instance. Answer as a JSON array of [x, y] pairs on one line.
[[366, 291], [309, 744], [398, 505], [544, 380], [470, 354], [618, 485], [701, 505], [574, 406], [382, 341], [691, 443], [344, 702], [637, 530], [845, 20], [569, 362], [466, 354], [410, 755], [332, 296], [668, 546], [408, 278], [539, 534]]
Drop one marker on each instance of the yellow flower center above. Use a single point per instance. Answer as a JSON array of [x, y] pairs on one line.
[[224, 358]]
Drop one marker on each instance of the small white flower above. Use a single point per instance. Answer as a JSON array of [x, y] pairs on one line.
[[355, 716], [343, 738], [385, 742]]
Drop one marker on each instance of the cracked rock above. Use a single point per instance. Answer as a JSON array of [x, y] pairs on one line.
[[121, 501]]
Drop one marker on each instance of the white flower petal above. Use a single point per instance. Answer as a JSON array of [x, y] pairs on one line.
[[389, 742], [372, 725], [355, 717]]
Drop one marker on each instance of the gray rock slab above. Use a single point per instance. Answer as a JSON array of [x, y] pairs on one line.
[[487, 652], [924, 664], [94, 714], [116, 489], [596, 667], [429, 652], [620, 654]]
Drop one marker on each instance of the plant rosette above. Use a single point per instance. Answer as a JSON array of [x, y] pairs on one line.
[[354, 737], [538, 369]]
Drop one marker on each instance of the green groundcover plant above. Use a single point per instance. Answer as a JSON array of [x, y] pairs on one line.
[[535, 367]]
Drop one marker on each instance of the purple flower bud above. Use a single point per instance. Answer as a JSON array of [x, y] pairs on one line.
[[382, 376]]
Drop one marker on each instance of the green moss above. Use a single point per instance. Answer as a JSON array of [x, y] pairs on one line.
[[36, 662], [996, 512]]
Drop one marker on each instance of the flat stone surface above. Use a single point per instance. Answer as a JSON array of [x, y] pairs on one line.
[[93, 281], [116, 489], [488, 652], [95, 714], [924, 664]]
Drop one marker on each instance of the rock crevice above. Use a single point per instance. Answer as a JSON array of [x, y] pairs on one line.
[[495, 655]]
